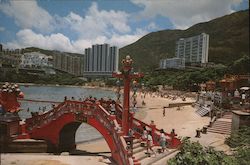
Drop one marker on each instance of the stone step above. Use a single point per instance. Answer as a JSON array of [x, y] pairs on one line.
[[164, 160], [229, 114], [221, 125], [158, 157], [138, 149], [224, 120], [140, 155], [136, 145], [136, 162], [136, 141], [220, 132], [220, 129], [202, 111], [227, 117]]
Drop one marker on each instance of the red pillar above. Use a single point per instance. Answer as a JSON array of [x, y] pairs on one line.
[[126, 75], [125, 112]]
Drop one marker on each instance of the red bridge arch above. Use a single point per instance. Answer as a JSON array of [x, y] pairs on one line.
[[58, 127]]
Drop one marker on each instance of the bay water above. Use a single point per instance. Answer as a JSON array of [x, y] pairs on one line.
[[57, 93]]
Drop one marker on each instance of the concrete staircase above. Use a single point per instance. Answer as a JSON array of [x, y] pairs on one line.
[[142, 158], [202, 110], [222, 125]]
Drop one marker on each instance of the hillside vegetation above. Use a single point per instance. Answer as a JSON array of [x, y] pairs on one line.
[[229, 41], [47, 52]]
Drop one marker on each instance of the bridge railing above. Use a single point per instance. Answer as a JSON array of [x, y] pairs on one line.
[[118, 112], [65, 107], [111, 124], [137, 126], [120, 141], [104, 117], [38, 120]]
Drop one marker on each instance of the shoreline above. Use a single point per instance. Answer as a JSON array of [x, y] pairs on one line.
[[57, 85], [90, 141]]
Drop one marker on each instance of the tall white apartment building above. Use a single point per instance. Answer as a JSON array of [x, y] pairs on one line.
[[193, 49], [101, 60]]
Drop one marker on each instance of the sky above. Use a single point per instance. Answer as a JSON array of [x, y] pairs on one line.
[[73, 25]]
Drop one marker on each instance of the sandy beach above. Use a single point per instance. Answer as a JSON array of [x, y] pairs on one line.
[[185, 122]]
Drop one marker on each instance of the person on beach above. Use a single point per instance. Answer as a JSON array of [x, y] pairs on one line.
[[150, 143], [163, 140], [1, 109], [112, 107], [130, 133], [144, 134], [164, 111], [143, 103]]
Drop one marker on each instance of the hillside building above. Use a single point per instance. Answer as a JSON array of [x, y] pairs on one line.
[[193, 49], [176, 63], [72, 64], [34, 60], [10, 57], [101, 60]]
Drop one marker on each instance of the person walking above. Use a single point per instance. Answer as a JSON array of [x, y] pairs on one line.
[[163, 140], [164, 111], [144, 134], [150, 143]]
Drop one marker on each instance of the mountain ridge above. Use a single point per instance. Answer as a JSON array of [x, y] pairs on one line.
[[226, 44]]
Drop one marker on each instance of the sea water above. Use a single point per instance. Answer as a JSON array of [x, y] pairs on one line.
[[57, 93]]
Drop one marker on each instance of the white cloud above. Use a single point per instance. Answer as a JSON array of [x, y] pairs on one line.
[[58, 41], [98, 22], [27, 14], [95, 27], [27, 38], [152, 26], [184, 13], [123, 40], [2, 29]]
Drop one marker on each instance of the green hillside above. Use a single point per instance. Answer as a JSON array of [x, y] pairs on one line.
[[47, 52], [229, 40]]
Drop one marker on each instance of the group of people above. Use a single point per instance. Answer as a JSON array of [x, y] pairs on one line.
[[147, 137]]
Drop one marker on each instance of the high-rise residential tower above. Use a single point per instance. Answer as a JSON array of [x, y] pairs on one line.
[[101, 60], [193, 49]]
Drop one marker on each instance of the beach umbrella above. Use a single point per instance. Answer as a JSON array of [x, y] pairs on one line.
[[244, 88]]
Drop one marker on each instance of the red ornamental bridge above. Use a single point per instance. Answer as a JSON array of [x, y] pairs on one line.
[[58, 128]]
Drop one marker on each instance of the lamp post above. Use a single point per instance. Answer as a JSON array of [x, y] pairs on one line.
[[118, 91], [134, 102], [127, 75]]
